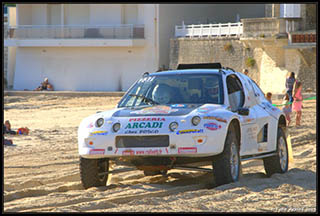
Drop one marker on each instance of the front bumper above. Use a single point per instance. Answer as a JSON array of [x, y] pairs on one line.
[[196, 142]]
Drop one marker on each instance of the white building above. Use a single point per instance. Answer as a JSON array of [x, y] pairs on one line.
[[101, 47]]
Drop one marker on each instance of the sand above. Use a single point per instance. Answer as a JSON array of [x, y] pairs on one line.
[[41, 170]]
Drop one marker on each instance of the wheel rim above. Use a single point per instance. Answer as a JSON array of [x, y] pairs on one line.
[[234, 162], [103, 169], [283, 153]]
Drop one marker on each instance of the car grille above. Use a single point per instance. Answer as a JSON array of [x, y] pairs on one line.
[[142, 141]]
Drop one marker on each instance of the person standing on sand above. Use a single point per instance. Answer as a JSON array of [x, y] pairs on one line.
[[287, 108], [297, 101], [289, 85]]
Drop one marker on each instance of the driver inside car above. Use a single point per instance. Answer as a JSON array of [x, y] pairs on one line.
[[162, 93]]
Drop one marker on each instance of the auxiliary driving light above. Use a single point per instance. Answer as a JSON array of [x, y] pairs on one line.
[[99, 122], [173, 126], [116, 127], [195, 120]]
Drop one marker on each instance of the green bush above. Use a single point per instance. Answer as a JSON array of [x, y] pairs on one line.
[[227, 47], [250, 62]]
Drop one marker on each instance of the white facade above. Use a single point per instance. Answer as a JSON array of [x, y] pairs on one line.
[[100, 47]]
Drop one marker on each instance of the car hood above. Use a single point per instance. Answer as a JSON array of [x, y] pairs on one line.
[[164, 110]]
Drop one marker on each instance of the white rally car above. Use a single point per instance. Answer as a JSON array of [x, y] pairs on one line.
[[185, 119]]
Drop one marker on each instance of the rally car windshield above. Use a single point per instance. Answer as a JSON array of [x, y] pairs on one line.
[[175, 89]]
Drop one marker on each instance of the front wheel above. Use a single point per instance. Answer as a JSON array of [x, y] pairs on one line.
[[93, 172], [227, 166], [280, 162]]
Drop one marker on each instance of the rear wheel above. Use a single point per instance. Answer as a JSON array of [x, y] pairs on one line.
[[280, 162], [93, 172], [227, 166]]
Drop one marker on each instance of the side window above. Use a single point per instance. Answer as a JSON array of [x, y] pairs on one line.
[[250, 97], [235, 92], [257, 91]]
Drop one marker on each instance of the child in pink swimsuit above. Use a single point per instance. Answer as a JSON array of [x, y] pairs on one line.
[[297, 101]]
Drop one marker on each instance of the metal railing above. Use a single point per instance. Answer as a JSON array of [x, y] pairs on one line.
[[125, 31], [209, 30]]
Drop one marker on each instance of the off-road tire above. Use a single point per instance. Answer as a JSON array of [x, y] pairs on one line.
[[272, 164], [222, 169], [90, 169]]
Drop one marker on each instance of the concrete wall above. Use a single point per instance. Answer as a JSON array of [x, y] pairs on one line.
[[104, 14], [79, 69], [24, 14], [89, 69], [171, 15]]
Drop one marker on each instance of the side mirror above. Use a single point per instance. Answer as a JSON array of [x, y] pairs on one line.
[[243, 111]]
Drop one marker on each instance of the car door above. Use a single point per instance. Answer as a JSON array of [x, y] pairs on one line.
[[267, 124], [238, 86]]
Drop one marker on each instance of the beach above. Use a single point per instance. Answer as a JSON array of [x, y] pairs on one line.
[[41, 170]]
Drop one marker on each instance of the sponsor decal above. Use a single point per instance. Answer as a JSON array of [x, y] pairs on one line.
[[212, 126], [178, 105], [252, 132], [98, 133], [148, 131], [143, 152], [203, 110], [149, 152], [155, 110], [217, 118], [190, 131], [198, 140], [128, 152], [146, 119], [138, 125], [187, 150], [249, 120], [96, 152], [90, 125]]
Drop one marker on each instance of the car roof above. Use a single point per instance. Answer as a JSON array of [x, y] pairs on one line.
[[193, 71]]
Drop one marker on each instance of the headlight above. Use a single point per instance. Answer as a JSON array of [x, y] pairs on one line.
[[99, 122], [195, 120], [116, 127], [173, 126]]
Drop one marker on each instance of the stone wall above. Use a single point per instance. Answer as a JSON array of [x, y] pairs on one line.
[[307, 69], [272, 61], [198, 50]]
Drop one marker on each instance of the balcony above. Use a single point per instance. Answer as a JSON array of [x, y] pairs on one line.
[[264, 27], [75, 35], [302, 39]]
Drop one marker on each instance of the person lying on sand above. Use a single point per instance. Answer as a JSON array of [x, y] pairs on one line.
[[7, 129]]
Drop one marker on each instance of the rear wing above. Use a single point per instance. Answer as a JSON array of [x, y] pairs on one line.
[[200, 66]]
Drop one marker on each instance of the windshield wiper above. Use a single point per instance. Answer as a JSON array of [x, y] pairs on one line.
[[145, 98]]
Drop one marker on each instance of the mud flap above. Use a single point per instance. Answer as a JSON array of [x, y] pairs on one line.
[[290, 155]]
